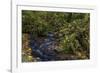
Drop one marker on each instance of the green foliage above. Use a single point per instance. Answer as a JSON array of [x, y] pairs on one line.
[[71, 29]]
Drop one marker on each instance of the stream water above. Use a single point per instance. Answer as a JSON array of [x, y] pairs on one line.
[[45, 50]]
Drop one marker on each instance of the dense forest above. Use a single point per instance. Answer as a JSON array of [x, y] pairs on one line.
[[54, 36]]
